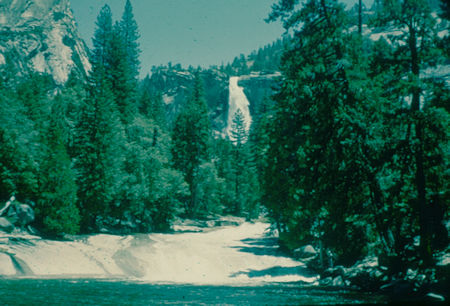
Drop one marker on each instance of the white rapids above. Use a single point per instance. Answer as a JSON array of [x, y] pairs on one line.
[[237, 100], [227, 255]]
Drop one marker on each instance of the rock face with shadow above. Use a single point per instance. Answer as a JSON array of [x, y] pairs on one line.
[[15, 215], [41, 36], [257, 88], [175, 85]]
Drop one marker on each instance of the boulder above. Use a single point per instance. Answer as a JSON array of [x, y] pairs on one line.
[[327, 281], [305, 252], [25, 214], [22, 214], [338, 281], [5, 225]]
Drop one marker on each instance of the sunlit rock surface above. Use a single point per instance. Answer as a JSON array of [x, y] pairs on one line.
[[41, 36], [222, 255]]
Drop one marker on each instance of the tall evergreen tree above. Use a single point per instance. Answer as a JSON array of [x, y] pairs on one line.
[[239, 135], [416, 47], [123, 85], [102, 42], [99, 132], [130, 35], [191, 139], [311, 185], [345, 162], [125, 64], [56, 209]]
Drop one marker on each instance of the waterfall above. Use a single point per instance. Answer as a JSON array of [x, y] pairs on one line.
[[237, 100]]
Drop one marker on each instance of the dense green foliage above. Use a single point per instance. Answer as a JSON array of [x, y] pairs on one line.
[[358, 142], [350, 154], [266, 60], [98, 154], [191, 139]]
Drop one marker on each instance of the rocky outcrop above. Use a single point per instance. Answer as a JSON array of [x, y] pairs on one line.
[[6, 225], [257, 87], [15, 215], [175, 85], [41, 36], [370, 275], [307, 251]]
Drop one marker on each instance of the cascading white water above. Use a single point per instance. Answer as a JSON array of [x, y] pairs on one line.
[[237, 100], [226, 255]]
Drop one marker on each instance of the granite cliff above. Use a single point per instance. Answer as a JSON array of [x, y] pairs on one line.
[[41, 36]]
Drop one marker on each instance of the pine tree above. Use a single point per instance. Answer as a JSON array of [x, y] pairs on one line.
[[125, 64], [415, 21], [345, 162], [17, 164], [99, 140], [56, 209], [310, 183], [130, 35], [102, 42], [239, 137], [17, 170], [71, 98], [123, 85], [223, 157], [152, 107], [191, 140]]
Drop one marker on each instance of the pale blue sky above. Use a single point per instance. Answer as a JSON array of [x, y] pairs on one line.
[[190, 32]]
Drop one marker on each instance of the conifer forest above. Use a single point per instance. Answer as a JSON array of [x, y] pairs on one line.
[[348, 151]]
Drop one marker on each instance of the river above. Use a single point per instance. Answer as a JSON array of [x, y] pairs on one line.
[[113, 292]]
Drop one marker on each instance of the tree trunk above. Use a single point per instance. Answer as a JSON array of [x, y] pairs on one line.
[[360, 17], [420, 180]]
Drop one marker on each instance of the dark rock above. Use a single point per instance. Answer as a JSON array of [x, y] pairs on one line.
[[20, 214], [227, 223], [376, 274], [25, 214], [365, 274], [399, 288], [258, 87], [327, 281], [333, 272], [5, 225]]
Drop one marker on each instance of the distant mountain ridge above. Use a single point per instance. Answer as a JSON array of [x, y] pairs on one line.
[[42, 36]]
